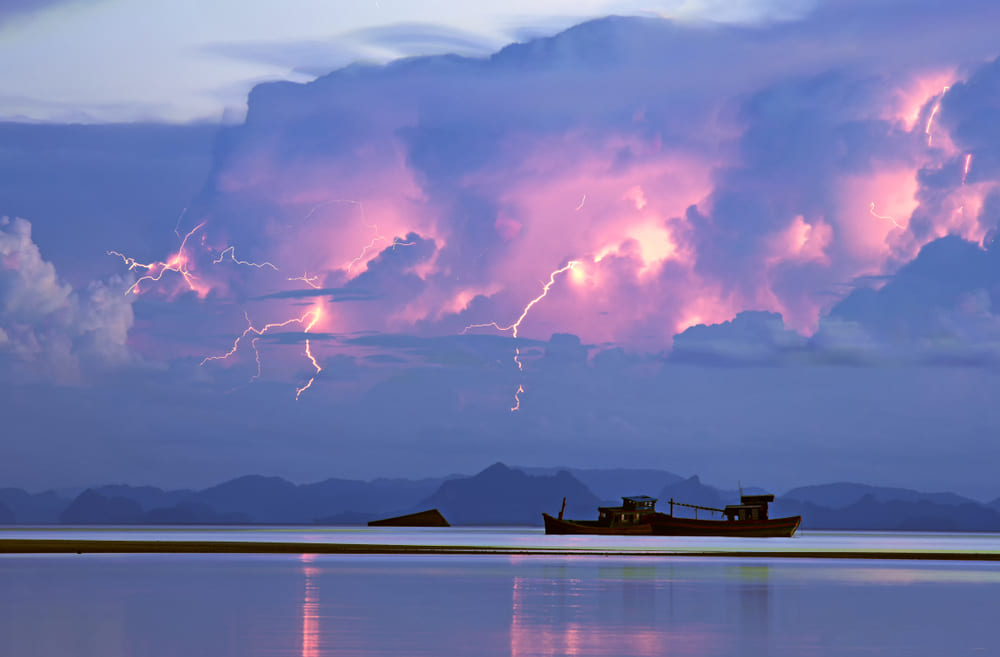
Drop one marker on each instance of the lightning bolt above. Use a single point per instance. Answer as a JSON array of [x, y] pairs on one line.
[[308, 320], [582, 201], [175, 263], [232, 254], [516, 325], [177, 226], [968, 163], [517, 399], [324, 204], [311, 358], [308, 280], [871, 209], [930, 119], [379, 237]]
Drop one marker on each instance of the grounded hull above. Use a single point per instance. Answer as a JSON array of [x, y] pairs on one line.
[[557, 526], [429, 518], [664, 525]]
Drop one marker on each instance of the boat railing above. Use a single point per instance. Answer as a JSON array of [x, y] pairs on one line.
[[693, 506]]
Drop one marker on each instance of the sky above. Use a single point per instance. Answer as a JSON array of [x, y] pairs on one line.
[[97, 61], [755, 244]]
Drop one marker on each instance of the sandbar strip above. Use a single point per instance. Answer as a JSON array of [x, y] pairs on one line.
[[74, 546]]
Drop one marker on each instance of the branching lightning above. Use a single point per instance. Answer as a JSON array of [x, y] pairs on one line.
[[176, 263], [379, 237], [516, 325], [309, 355], [180, 263], [307, 320], [231, 250], [965, 170], [308, 280], [871, 209]]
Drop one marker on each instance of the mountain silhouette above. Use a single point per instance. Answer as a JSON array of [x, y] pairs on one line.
[[610, 484], [92, 508], [148, 497], [275, 500], [36, 509], [500, 495], [692, 491], [842, 494], [869, 513]]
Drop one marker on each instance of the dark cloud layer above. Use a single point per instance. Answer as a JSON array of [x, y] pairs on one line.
[[90, 188]]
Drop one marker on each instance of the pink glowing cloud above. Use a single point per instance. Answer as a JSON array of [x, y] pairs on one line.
[[765, 198]]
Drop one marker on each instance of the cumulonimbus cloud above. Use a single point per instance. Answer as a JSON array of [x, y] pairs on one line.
[[48, 330], [622, 181]]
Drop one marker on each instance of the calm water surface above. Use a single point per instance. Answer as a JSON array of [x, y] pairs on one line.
[[529, 537], [311, 606]]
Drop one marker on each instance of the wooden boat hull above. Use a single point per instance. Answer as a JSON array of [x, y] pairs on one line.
[[665, 525], [428, 518], [557, 526]]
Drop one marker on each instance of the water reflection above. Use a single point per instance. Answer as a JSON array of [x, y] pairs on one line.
[[752, 584], [310, 609], [566, 610], [226, 605]]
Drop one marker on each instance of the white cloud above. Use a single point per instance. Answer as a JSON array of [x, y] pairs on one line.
[[47, 329]]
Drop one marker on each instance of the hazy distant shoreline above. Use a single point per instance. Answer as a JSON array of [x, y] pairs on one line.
[[89, 546], [485, 498]]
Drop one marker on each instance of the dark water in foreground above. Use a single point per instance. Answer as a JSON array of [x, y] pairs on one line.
[[308, 606]]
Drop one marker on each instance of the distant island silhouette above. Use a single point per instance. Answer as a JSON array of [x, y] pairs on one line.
[[498, 495]]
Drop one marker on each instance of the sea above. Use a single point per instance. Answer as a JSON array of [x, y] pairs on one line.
[[591, 595]]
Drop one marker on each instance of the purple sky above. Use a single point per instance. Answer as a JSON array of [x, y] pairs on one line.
[[757, 251]]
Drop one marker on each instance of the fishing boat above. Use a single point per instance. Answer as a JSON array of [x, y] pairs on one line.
[[748, 518], [638, 515], [632, 517]]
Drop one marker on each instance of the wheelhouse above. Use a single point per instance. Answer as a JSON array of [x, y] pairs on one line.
[[751, 507], [633, 511]]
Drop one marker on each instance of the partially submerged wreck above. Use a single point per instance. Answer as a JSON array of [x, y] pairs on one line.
[[428, 518]]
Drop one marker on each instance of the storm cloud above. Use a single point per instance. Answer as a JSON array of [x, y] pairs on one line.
[[685, 237]]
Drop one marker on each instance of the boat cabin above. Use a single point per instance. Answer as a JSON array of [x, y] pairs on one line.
[[751, 507], [632, 511]]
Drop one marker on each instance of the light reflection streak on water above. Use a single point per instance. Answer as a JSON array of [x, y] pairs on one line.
[[310, 609], [556, 612], [537, 607]]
